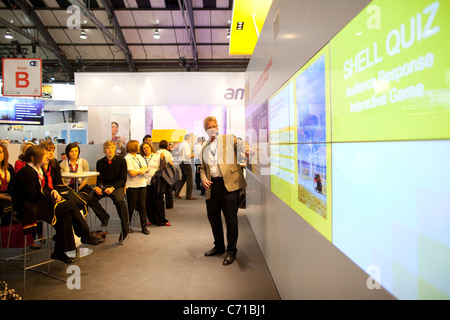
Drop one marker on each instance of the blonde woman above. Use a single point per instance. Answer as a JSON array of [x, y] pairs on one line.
[[136, 183]]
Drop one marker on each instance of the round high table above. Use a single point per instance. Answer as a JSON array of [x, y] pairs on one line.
[[80, 252]]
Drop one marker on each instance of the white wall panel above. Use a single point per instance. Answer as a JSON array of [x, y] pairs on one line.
[[403, 222], [163, 88], [303, 264]]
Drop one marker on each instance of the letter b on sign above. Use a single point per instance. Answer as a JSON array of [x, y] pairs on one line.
[[22, 80], [22, 77]]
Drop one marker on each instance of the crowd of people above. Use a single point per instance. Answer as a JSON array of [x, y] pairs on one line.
[[37, 189], [25, 140]]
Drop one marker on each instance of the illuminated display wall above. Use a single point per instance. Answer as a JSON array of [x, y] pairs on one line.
[[359, 144], [21, 111], [390, 81]]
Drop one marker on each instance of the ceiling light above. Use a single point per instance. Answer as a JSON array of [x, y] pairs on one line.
[[156, 34], [8, 34], [83, 35]]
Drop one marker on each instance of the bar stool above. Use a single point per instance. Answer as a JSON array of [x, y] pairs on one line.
[[14, 232], [12, 237]]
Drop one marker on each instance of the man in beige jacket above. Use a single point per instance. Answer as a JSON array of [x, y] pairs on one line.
[[222, 178]]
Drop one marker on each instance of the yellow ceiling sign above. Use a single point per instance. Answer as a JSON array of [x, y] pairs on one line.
[[248, 20], [170, 135]]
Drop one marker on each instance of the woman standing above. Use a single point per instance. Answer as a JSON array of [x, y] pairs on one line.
[[154, 201], [136, 183], [6, 176], [35, 198]]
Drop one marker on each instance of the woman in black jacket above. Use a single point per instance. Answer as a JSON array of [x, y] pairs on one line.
[[33, 198]]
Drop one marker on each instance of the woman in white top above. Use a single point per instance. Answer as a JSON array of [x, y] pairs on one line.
[[156, 212], [136, 183]]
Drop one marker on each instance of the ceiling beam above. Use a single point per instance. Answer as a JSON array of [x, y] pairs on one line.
[[173, 64], [190, 31], [112, 16], [124, 9], [149, 44], [28, 10], [25, 34], [227, 27], [122, 46]]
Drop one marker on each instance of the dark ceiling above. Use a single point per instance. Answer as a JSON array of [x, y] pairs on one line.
[[120, 35]]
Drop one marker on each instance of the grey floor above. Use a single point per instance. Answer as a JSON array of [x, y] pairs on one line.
[[167, 264]]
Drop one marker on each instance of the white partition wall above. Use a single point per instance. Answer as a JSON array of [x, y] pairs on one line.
[[161, 88], [132, 98]]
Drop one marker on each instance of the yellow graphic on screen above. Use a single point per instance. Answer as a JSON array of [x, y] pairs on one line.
[[311, 197], [390, 74], [300, 152]]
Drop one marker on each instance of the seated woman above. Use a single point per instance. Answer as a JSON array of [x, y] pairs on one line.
[[19, 164], [156, 212], [76, 164], [136, 183], [6, 176], [35, 199], [52, 170]]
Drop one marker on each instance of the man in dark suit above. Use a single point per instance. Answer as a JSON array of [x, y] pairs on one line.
[[223, 179]]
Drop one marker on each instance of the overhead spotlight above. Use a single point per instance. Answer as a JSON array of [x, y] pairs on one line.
[[156, 34], [83, 35], [228, 34], [8, 34]]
